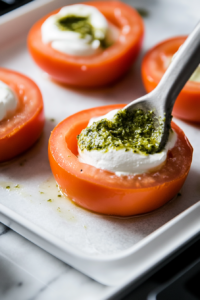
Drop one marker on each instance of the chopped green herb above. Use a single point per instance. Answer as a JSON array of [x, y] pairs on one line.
[[17, 186], [143, 12], [7, 187], [52, 120], [41, 192], [136, 131], [81, 25], [59, 196], [76, 23], [49, 200]]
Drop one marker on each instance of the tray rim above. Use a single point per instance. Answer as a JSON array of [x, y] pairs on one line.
[[43, 239], [79, 260]]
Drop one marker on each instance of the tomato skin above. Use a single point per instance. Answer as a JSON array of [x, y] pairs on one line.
[[97, 70], [99, 190], [187, 105], [22, 136]]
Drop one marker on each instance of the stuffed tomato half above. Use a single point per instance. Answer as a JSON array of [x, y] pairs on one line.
[[105, 192]]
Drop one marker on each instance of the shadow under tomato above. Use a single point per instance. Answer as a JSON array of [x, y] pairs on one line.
[[124, 90]]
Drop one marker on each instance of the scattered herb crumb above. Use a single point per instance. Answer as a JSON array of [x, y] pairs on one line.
[[49, 200], [142, 12], [22, 162], [69, 155], [17, 186], [7, 187], [52, 120], [41, 192], [58, 209], [59, 196]]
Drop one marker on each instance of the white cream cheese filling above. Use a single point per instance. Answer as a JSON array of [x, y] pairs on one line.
[[72, 43], [123, 162], [8, 100]]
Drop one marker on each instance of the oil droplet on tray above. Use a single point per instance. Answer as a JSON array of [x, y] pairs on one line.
[[50, 192]]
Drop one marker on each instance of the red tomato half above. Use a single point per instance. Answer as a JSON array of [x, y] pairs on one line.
[[104, 192], [23, 128], [154, 65], [96, 70]]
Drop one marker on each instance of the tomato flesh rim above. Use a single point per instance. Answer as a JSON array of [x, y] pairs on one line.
[[17, 136]]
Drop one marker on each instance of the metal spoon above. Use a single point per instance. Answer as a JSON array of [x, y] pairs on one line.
[[163, 97]]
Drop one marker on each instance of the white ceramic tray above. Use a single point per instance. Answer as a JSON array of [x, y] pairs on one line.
[[110, 250]]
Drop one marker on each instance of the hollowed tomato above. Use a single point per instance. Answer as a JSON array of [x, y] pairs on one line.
[[154, 65], [96, 70], [23, 128], [104, 192]]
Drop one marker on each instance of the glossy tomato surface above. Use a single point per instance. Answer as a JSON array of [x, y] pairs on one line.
[[24, 126], [154, 65], [96, 70], [104, 192]]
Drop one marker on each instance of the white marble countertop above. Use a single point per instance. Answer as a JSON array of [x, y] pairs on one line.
[[28, 272]]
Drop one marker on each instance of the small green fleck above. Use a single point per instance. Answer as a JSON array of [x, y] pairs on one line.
[[49, 200], [8, 187], [41, 192], [58, 209], [142, 12], [56, 185], [22, 162], [52, 120], [17, 186], [69, 155], [59, 196]]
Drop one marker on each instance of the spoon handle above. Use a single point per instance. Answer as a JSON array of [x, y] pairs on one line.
[[184, 63]]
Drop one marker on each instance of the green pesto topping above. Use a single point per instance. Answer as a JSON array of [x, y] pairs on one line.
[[80, 25], [135, 131]]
